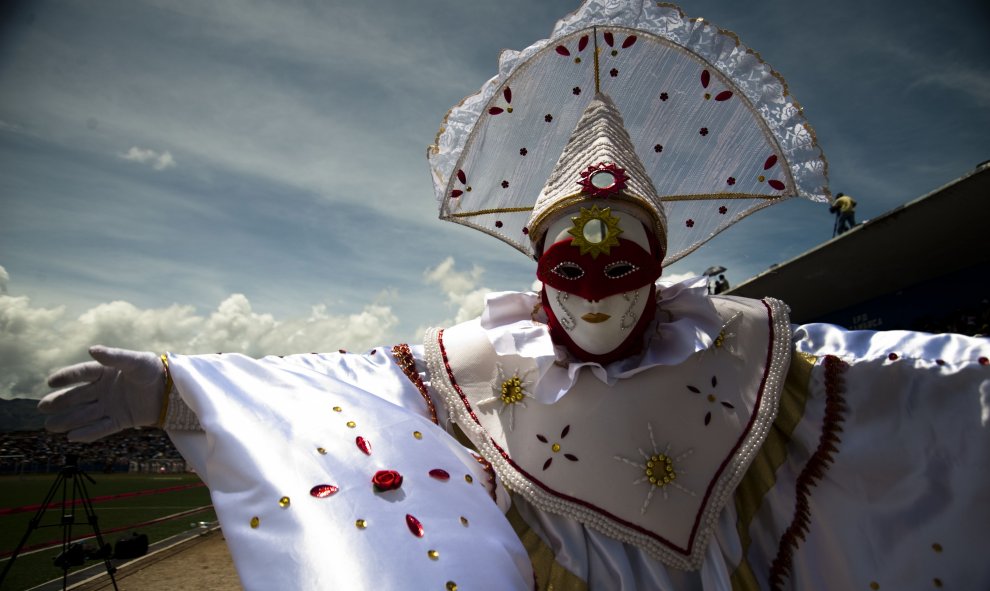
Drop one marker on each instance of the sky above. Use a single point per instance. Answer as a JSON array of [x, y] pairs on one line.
[[251, 175]]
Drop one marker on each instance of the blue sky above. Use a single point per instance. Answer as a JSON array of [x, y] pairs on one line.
[[202, 176]]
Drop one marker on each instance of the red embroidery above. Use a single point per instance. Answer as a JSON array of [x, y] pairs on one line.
[[814, 470], [405, 361]]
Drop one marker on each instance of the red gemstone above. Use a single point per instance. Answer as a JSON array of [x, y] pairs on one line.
[[724, 95], [456, 193], [498, 223], [776, 184], [723, 210], [609, 39], [562, 50], [461, 176], [770, 162], [892, 356], [364, 445], [439, 474], [940, 362], [494, 111], [507, 93], [322, 491], [415, 527], [547, 463], [629, 41], [705, 78], [984, 361], [583, 43], [689, 223]]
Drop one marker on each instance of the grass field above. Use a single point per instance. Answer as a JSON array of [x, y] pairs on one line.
[[31, 569]]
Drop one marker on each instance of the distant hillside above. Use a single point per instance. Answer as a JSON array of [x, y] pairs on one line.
[[20, 414]]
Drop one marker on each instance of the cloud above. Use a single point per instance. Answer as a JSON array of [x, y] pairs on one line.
[[4, 278], [36, 340], [461, 289], [157, 160]]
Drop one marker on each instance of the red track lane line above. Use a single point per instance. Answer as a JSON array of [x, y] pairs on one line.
[[103, 499], [58, 542]]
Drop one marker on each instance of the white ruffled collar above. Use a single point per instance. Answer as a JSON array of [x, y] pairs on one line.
[[686, 322]]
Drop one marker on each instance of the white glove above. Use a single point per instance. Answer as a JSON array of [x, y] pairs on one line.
[[122, 389]]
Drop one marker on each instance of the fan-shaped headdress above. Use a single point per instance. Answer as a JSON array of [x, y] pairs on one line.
[[714, 131]]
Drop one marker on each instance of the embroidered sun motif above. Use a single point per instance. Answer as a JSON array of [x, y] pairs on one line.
[[660, 469], [510, 390], [727, 338]]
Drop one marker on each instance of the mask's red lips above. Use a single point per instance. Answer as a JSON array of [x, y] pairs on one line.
[[595, 317]]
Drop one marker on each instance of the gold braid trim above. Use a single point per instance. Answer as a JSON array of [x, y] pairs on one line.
[[814, 470], [721, 197], [762, 473], [404, 359], [469, 214]]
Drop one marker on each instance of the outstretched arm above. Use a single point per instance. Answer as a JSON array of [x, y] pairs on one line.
[[119, 390]]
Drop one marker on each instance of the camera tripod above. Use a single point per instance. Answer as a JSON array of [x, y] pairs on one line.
[[70, 479]]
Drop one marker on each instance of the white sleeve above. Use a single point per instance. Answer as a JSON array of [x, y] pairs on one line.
[[901, 501], [290, 449]]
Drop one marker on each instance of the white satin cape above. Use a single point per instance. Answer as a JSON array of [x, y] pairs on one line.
[[901, 505]]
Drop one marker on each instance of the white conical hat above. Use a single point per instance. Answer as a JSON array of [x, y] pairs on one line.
[[598, 166], [714, 127]]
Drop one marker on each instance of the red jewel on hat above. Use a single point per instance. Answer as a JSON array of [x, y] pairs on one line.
[[364, 445], [603, 179]]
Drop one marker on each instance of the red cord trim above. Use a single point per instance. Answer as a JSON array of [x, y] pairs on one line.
[[407, 363], [814, 470]]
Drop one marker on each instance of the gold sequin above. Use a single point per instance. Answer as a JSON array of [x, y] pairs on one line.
[[464, 521], [468, 479], [284, 502], [417, 435], [433, 554], [361, 524], [512, 391], [337, 409], [937, 547], [874, 585], [451, 586], [255, 522], [322, 451], [555, 447], [351, 424]]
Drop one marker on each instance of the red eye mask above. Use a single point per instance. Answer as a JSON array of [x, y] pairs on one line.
[[626, 268]]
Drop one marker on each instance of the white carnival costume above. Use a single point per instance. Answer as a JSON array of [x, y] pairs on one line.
[[620, 433]]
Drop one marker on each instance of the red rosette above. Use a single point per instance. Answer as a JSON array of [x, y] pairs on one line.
[[386, 480]]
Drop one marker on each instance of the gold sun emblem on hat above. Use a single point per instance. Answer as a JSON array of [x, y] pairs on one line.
[[595, 231]]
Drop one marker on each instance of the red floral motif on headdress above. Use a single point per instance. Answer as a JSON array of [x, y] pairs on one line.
[[507, 95], [619, 174]]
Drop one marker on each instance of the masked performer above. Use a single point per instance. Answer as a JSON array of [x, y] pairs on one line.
[[612, 431]]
